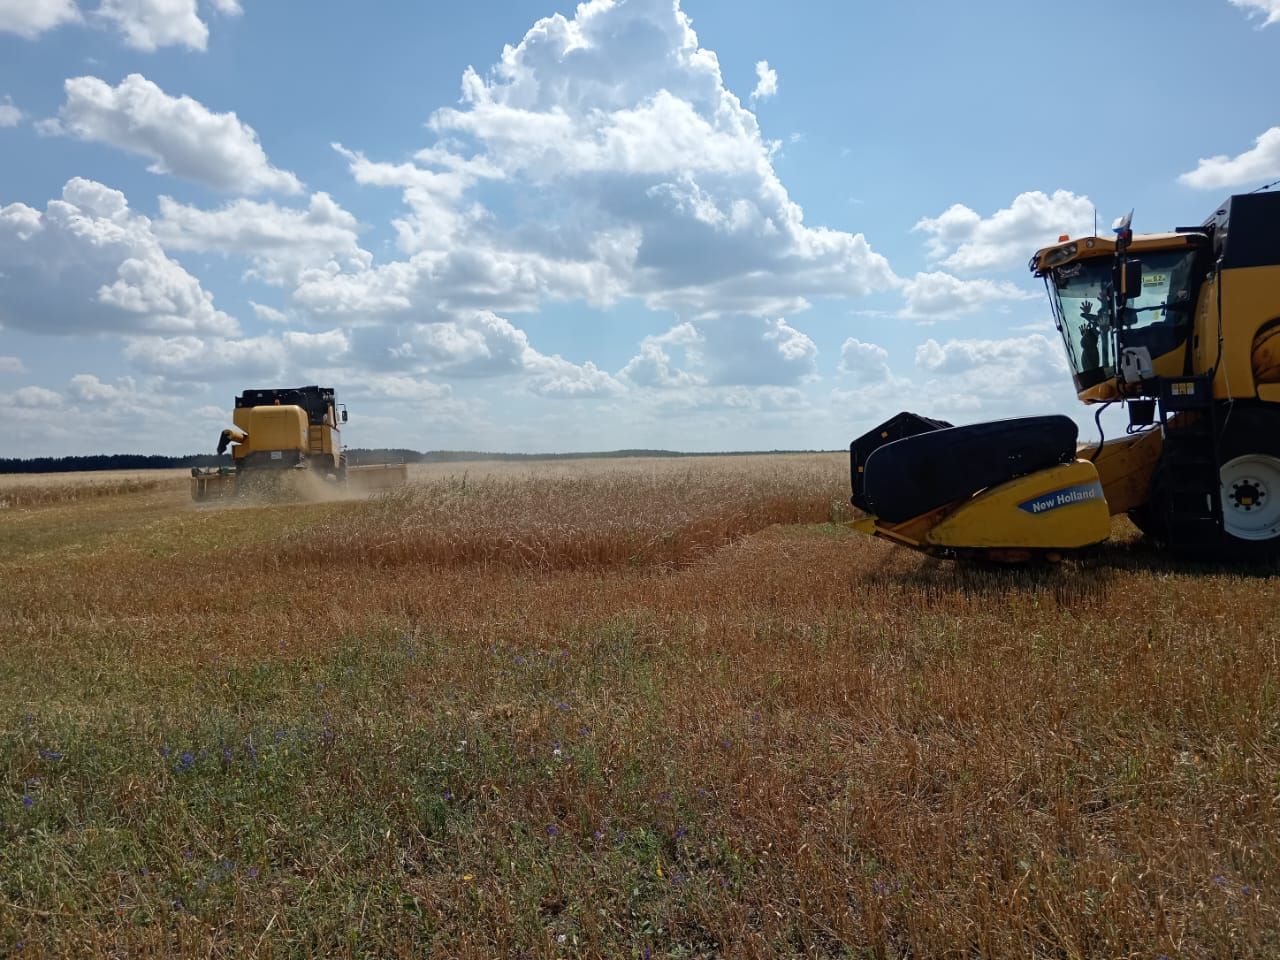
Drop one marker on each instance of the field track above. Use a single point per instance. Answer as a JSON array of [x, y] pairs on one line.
[[617, 709]]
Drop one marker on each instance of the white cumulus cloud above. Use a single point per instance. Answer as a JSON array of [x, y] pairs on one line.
[[724, 351], [1261, 162], [866, 363], [30, 18], [931, 296], [766, 82], [1015, 376], [962, 239], [10, 116], [281, 241], [11, 365], [89, 264], [268, 313], [639, 172], [1266, 10], [180, 135], [149, 24]]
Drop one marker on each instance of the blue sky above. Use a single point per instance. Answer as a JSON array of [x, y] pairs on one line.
[[521, 226]]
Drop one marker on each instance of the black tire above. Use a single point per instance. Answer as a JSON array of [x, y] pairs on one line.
[[1149, 521], [1249, 469]]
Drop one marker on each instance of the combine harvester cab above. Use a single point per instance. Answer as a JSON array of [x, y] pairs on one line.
[[286, 444], [1184, 329]]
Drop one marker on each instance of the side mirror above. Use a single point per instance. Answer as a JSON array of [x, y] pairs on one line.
[[1129, 280], [344, 415]]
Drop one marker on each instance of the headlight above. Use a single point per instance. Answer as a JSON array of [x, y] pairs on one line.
[[1061, 255]]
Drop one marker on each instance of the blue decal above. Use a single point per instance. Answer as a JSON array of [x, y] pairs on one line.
[[1055, 499]]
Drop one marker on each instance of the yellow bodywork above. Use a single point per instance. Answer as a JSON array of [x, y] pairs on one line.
[[1125, 466], [271, 428], [1059, 508], [1062, 507]]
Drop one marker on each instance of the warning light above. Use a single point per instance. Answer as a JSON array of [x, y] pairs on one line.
[[1063, 238]]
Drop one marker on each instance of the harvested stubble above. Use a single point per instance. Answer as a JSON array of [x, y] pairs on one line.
[[802, 744]]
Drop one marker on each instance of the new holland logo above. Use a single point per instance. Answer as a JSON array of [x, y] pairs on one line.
[[1056, 499]]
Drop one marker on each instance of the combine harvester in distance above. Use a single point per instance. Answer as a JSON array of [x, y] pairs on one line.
[[1184, 328], [287, 443]]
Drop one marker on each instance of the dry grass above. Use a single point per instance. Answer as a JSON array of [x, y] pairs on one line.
[[751, 741]]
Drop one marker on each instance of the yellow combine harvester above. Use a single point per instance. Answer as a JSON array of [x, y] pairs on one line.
[[1184, 328], [287, 442]]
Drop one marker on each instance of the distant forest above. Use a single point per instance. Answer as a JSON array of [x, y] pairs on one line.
[[139, 461]]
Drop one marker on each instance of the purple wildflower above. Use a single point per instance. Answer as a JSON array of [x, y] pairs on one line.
[[185, 763], [447, 795], [53, 755], [28, 801], [187, 854], [562, 707], [552, 830], [252, 873]]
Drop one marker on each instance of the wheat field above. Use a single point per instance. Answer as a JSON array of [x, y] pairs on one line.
[[618, 709]]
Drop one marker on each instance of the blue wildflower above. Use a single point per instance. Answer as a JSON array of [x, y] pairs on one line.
[[53, 755], [552, 830], [185, 763], [28, 801], [562, 707]]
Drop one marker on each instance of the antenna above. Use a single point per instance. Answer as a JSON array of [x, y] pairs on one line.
[[1095, 221]]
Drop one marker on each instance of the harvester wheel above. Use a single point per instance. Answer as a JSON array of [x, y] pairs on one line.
[[1250, 477], [1148, 517]]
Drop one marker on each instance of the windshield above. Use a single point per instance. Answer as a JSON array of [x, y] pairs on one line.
[[1082, 301]]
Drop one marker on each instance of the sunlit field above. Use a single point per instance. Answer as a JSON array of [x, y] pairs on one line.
[[617, 709]]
